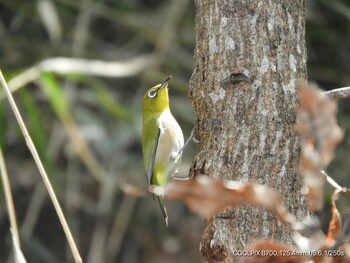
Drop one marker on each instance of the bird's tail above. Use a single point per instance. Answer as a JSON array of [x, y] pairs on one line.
[[162, 207]]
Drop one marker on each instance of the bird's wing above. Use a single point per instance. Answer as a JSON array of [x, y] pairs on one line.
[[153, 151], [151, 136]]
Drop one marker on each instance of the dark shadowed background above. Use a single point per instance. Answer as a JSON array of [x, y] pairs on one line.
[[80, 69]]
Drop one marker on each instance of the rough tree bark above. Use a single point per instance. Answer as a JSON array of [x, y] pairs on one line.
[[247, 59]]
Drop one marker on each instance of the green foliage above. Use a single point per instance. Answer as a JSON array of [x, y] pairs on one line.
[[112, 104], [37, 129], [56, 95]]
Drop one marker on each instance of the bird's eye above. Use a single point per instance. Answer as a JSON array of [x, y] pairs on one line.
[[152, 94]]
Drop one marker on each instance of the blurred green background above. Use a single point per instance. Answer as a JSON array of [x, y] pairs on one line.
[[85, 119]]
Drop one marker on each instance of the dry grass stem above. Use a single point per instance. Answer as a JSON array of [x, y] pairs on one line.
[[17, 250], [66, 65], [41, 169], [11, 210]]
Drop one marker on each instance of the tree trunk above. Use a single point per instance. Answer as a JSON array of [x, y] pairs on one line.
[[247, 59]]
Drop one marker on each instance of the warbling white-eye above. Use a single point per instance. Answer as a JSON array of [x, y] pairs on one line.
[[162, 139]]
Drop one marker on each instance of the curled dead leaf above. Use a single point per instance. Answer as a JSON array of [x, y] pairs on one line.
[[320, 133], [335, 225], [207, 196], [317, 123]]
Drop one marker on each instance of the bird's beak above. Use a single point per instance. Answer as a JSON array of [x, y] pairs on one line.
[[165, 83]]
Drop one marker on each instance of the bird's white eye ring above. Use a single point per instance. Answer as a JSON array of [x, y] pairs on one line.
[[152, 94]]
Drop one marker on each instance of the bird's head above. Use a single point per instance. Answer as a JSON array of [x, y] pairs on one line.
[[156, 99]]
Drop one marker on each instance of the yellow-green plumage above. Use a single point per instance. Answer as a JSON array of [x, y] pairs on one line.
[[162, 138]]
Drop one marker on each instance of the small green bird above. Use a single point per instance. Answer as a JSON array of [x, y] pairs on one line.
[[162, 139]]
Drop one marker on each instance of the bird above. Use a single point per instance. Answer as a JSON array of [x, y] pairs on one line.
[[162, 139]]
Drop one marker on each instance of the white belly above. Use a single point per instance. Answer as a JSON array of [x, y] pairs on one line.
[[170, 142]]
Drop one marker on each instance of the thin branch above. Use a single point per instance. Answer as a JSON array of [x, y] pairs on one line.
[[333, 183], [339, 94], [42, 171]]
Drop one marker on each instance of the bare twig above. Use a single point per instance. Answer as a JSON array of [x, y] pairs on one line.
[[335, 184], [42, 171], [339, 94]]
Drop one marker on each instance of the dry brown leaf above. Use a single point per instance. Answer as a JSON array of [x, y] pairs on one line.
[[319, 134], [317, 122], [207, 196], [335, 225]]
